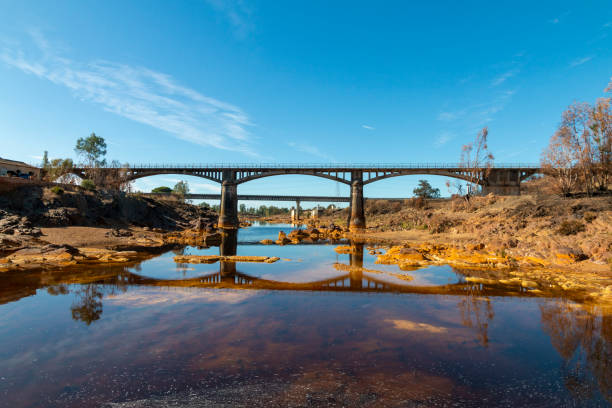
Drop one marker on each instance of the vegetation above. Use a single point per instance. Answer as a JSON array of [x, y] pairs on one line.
[[477, 160], [425, 190], [88, 185], [263, 210], [570, 227], [93, 149], [57, 190], [181, 188], [58, 170], [161, 190], [45, 160], [579, 154]]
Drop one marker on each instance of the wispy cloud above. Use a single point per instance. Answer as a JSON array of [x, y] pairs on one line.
[[559, 19], [449, 116], [140, 94], [580, 61], [443, 139], [368, 127], [312, 150], [237, 13], [500, 79]]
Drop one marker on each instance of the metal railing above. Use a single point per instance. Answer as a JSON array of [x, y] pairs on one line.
[[308, 166]]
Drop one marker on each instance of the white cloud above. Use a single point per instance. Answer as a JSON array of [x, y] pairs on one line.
[[504, 77], [412, 326], [237, 13], [140, 94], [450, 116], [312, 150], [443, 139], [580, 61], [368, 127], [150, 297]]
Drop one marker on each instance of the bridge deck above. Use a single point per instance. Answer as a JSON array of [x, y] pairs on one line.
[[268, 197]]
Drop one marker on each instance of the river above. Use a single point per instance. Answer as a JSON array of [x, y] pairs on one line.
[[316, 328]]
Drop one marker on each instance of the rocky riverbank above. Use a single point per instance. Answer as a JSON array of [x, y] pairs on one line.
[[48, 226]]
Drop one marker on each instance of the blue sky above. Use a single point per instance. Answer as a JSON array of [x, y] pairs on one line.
[[312, 82]]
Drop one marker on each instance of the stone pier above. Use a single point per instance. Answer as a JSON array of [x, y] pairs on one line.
[[503, 182], [357, 212], [228, 214]]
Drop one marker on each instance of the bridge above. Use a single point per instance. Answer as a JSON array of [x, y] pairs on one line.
[[501, 179]]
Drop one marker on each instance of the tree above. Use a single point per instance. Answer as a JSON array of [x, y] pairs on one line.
[[161, 190], [45, 160], [601, 129], [425, 190], [59, 170], [243, 208], [558, 161], [580, 151], [454, 187], [181, 189], [477, 160], [93, 149]]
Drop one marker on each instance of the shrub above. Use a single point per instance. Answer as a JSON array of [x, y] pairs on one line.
[[438, 224], [57, 190], [88, 185], [570, 227], [589, 216], [161, 190]]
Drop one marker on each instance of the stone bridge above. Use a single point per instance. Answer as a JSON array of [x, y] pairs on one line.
[[502, 179]]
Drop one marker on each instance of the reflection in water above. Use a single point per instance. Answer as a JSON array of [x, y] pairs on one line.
[[476, 312], [583, 338], [351, 338], [87, 306]]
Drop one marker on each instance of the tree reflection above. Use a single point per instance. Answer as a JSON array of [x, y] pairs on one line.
[[477, 312], [87, 306], [583, 338], [58, 290]]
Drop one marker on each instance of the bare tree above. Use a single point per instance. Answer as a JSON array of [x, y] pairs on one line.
[[601, 141], [477, 160], [558, 161], [115, 177]]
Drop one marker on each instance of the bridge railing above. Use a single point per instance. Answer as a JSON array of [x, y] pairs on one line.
[[237, 166]]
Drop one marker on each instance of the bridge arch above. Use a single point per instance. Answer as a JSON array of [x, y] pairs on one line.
[[339, 179], [456, 175]]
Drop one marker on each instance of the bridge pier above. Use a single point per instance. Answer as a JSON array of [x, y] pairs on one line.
[[228, 213], [503, 182], [229, 246], [357, 213], [356, 262]]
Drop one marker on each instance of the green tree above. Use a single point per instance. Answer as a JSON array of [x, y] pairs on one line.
[[425, 190], [93, 149], [162, 190], [243, 208], [59, 170], [45, 160], [181, 188]]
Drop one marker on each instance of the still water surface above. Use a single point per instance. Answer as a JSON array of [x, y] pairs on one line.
[[314, 329]]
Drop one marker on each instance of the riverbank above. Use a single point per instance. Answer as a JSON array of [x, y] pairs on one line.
[[44, 225]]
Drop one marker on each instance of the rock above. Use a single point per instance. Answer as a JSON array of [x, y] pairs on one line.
[[117, 232], [282, 238], [569, 255], [207, 259]]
